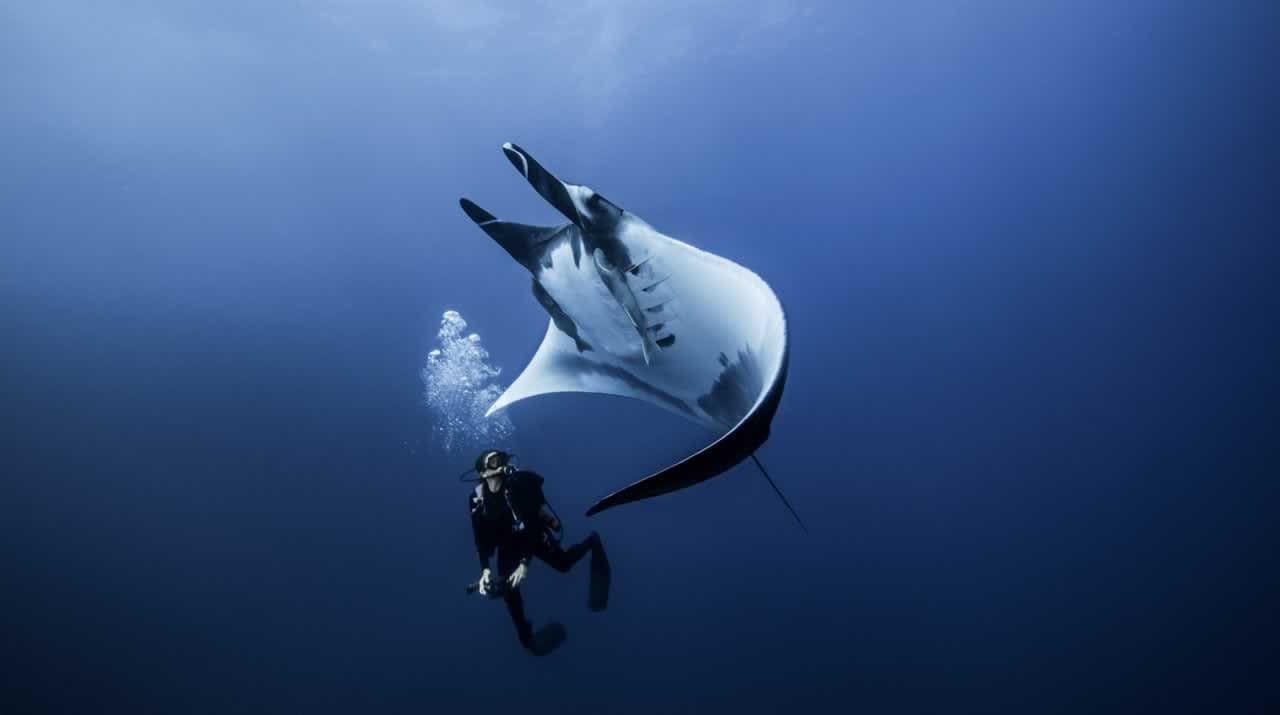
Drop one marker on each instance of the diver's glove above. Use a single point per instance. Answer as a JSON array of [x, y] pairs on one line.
[[484, 583], [517, 576]]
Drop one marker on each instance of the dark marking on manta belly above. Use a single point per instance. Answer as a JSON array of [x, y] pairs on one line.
[[614, 249], [567, 233], [735, 390], [649, 288], [640, 385], [575, 245], [561, 319]]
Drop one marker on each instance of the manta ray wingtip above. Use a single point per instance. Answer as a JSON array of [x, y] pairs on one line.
[[517, 157], [474, 212]]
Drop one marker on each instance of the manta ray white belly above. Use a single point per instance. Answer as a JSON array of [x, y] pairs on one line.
[[578, 289]]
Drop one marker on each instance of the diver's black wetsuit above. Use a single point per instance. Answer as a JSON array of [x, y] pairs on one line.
[[509, 522]]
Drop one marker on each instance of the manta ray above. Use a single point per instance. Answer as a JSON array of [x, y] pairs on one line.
[[639, 314]]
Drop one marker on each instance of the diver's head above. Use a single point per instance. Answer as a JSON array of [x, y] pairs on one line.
[[493, 465]]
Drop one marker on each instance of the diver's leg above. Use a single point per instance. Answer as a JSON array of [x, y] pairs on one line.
[[547, 638], [507, 560], [557, 558], [515, 606], [601, 574], [562, 560]]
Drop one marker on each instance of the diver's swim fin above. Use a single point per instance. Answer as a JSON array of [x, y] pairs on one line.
[[547, 639], [601, 577]]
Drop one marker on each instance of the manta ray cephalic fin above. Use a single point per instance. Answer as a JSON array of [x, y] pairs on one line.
[[519, 240]]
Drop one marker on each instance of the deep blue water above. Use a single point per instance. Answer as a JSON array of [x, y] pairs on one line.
[[1028, 255]]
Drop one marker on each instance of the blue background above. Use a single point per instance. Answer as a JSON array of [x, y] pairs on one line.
[[1028, 256]]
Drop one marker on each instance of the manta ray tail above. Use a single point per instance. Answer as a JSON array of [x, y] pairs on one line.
[[779, 492]]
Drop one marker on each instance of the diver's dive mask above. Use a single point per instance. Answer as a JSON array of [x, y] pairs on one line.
[[493, 460], [489, 460]]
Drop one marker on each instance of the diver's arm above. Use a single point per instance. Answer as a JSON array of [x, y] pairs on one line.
[[527, 550], [484, 546], [548, 517], [484, 550], [517, 577]]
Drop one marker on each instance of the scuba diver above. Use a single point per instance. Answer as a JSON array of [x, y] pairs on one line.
[[510, 515]]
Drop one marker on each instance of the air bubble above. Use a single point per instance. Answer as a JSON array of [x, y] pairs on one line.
[[459, 385]]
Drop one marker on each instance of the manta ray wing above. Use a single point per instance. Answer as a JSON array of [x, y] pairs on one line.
[[716, 458], [730, 347], [559, 366]]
